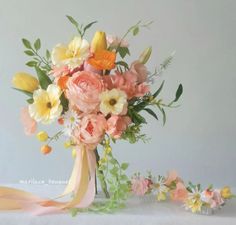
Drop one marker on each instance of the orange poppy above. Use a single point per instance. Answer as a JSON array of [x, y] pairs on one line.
[[103, 60]]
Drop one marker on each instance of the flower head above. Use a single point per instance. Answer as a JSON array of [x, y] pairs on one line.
[[71, 121], [114, 102], [25, 82], [193, 201], [99, 42], [226, 192], [46, 106], [72, 54], [139, 185]]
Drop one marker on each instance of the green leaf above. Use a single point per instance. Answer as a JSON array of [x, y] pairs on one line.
[[123, 51], [64, 102], [140, 106], [135, 30], [159, 90], [37, 44], [26, 43], [151, 113], [31, 64], [44, 80], [124, 166], [29, 52], [164, 116], [178, 93], [30, 100], [124, 64], [48, 54], [24, 92], [72, 20], [89, 25], [74, 212], [136, 118]]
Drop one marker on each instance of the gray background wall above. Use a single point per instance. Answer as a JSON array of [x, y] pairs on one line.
[[199, 137]]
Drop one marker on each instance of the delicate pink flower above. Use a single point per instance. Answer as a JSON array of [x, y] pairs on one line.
[[83, 91], [140, 70], [141, 90], [89, 68], [139, 186], [60, 71], [172, 176], [212, 197], [29, 123], [180, 193], [114, 41], [91, 129], [116, 125]]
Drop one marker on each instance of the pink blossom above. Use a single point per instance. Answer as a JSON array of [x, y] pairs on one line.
[[83, 91], [116, 125], [114, 41], [180, 193], [29, 123], [91, 129], [140, 71], [212, 197], [60, 71], [139, 186], [172, 176]]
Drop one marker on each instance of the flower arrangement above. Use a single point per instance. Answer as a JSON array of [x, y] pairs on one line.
[[97, 98]]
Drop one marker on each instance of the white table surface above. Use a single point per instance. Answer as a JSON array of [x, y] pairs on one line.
[[137, 212]]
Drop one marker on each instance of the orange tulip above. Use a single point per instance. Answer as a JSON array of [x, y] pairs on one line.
[[103, 60]]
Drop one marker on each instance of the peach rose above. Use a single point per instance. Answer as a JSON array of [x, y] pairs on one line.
[[91, 129], [83, 91], [140, 70], [116, 125], [30, 125]]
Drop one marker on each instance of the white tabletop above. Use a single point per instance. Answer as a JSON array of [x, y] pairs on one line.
[[138, 212]]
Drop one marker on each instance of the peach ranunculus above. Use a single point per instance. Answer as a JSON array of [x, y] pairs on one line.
[[172, 176], [139, 186], [140, 71], [116, 125], [83, 91], [180, 193], [126, 82], [30, 125], [91, 129]]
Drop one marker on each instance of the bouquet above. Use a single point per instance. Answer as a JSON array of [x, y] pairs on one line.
[[97, 98]]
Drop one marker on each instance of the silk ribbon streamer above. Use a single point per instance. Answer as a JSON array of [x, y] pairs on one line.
[[81, 185]]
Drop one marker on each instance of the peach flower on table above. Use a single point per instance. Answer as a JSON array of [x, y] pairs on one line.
[[180, 193], [139, 186], [83, 91], [29, 124], [212, 197], [116, 125]]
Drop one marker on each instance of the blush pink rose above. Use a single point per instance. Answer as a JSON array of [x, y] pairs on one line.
[[116, 125], [180, 193], [83, 91], [29, 124], [91, 129], [139, 186], [140, 71]]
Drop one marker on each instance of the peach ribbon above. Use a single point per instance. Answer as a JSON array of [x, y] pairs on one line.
[[81, 184]]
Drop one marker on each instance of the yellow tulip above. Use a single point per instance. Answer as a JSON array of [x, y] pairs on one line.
[[25, 82], [42, 136], [99, 42], [226, 192]]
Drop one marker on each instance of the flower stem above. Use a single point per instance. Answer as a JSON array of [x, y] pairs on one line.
[[101, 176]]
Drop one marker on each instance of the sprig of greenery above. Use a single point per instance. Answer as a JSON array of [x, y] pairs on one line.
[[81, 29], [32, 50]]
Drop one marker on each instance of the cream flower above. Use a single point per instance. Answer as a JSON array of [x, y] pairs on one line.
[[71, 121], [46, 107], [72, 54], [114, 102]]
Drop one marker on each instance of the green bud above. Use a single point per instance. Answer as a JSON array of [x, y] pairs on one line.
[[144, 57]]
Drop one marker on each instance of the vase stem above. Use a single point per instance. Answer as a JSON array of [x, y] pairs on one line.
[[101, 176]]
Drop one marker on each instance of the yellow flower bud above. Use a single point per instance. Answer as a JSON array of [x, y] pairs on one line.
[[226, 192], [73, 153], [67, 144], [144, 57], [42, 136], [99, 42], [25, 82]]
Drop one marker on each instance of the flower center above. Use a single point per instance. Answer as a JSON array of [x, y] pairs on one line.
[[49, 105], [112, 101]]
